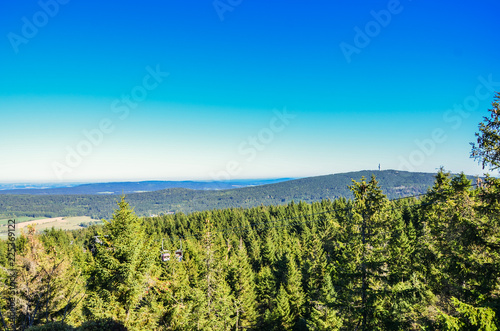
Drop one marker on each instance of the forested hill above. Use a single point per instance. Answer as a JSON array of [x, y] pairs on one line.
[[394, 184], [362, 264]]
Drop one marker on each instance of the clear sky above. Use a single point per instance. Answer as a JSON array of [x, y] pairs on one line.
[[229, 89]]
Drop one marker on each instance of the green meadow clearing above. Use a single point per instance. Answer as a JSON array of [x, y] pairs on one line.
[[41, 224]]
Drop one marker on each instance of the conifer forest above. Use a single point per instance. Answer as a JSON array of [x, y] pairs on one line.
[[425, 262]]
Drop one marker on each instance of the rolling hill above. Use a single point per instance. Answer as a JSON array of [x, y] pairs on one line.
[[394, 183], [118, 188]]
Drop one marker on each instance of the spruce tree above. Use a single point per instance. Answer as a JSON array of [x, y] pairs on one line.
[[266, 293], [324, 315], [123, 271], [371, 219], [269, 251], [283, 312], [245, 294], [296, 295], [215, 310], [178, 295], [487, 150]]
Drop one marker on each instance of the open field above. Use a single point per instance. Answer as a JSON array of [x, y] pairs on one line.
[[63, 223], [40, 222], [19, 219]]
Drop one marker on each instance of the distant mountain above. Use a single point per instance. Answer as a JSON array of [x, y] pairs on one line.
[[33, 186], [132, 187], [394, 184]]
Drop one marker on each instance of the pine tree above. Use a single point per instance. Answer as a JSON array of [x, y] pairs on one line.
[[400, 251], [296, 296], [245, 296], [122, 272], [178, 295], [323, 314], [315, 266], [48, 287], [266, 290], [215, 310], [283, 313], [269, 252], [464, 268], [487, 150], [369, 215], [405, 297]]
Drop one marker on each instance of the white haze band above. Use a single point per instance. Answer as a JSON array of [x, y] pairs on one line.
[[251, 146], [95, 137]]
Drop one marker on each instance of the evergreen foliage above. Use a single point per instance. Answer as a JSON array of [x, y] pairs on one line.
[[122, 271], [368, 264], [487, 150], [395, 184]]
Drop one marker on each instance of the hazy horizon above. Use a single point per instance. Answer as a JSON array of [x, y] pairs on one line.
[[212, 180]]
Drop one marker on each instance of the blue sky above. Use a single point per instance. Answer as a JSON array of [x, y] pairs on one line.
[[230, 89]]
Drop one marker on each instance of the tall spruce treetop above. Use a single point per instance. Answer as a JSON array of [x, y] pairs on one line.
[[369, 207], [245, 293], [487, 150], [123, 270], [369, 197]]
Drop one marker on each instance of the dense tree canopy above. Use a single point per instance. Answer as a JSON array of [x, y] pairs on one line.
[[487, 150], [395, 184], [367, 263]]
